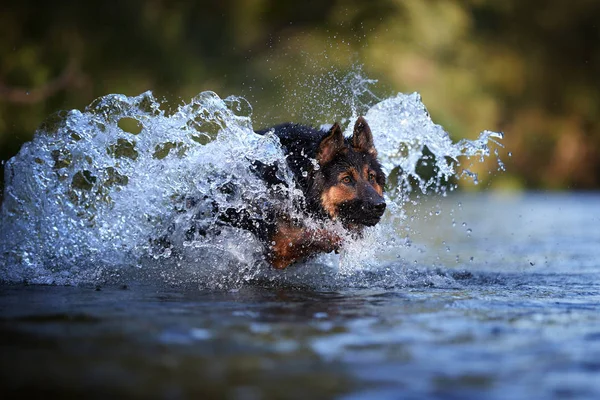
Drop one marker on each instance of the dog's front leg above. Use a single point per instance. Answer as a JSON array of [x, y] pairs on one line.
[[292, 243]]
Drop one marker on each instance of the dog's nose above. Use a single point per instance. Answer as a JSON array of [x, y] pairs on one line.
[[379, 207], [376, 207]]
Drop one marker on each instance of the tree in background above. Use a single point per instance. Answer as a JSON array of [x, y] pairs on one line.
[[528, 68]]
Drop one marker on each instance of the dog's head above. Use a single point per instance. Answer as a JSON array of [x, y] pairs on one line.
[[351, 179]]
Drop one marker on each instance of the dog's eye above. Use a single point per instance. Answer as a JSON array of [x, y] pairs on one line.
[[371, 177], [346, 179]]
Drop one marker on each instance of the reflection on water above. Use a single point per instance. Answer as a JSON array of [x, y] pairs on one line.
[[520, 320]]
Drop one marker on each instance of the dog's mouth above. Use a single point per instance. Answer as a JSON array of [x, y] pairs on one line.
[[359, 213], [365, 221], [370, 221]]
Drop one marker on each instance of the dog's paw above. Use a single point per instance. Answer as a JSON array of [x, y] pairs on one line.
[[327, 241]]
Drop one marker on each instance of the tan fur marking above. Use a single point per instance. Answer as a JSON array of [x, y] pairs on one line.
[[365, 172], [334, 196], [292, 243], [331, 145], [352, 172], [362, 138], [378, 189], [281, 249]]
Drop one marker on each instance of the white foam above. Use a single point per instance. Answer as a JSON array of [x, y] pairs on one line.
[[86, 200]]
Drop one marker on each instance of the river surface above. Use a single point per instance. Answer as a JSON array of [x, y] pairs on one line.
[[498, 297]]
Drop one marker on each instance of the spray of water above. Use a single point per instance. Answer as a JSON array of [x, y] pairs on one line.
[[126, 190]]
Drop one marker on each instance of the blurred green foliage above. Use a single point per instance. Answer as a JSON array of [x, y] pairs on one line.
[[528, 68]]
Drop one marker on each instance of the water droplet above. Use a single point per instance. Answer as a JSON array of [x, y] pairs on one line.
[[100, 204]]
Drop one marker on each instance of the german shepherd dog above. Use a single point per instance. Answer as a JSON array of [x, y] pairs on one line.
[[340, 178], [345, 184]]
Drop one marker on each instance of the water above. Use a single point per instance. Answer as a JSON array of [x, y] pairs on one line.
[[450, 296], [125, 189], [495, 327]]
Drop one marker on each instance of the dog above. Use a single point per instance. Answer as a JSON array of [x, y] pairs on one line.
[[341, 180]]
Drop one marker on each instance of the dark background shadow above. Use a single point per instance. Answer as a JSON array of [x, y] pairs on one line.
[[527, 68]]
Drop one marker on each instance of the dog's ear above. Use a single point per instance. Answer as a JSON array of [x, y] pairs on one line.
[[362, 139], [330, 145]]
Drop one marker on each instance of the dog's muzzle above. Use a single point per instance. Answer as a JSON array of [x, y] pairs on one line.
[[367, 213]]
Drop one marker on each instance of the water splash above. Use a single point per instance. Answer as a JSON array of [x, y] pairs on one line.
[[406, 132], [92, 195]]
